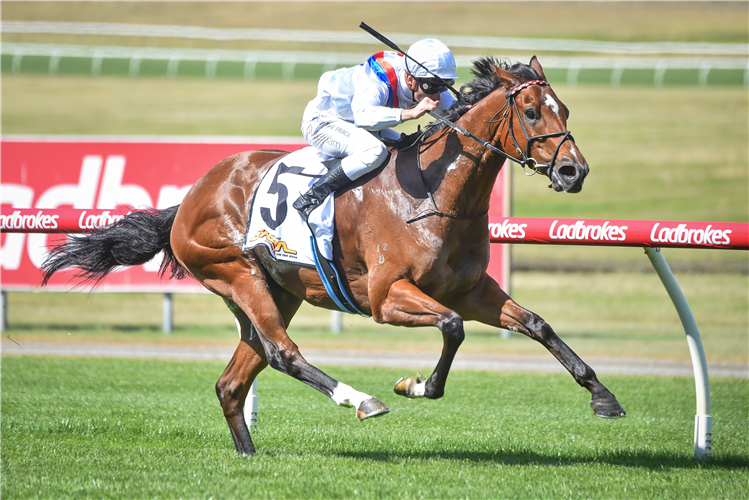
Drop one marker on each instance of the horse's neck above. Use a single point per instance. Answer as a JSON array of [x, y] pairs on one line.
[[459, 172]]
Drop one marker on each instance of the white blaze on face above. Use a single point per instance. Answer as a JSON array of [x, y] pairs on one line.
[[549, 101]]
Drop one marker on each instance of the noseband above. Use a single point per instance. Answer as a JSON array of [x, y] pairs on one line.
[[526, 160]]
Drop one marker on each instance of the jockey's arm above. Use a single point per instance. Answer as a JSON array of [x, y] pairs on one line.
[[427, 104], [369, 106], [370, 110]]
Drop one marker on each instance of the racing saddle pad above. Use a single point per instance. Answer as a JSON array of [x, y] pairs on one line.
[[275, 224]]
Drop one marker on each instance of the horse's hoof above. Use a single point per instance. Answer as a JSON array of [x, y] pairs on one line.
[[411, 387], [607, 408], [372, 407]]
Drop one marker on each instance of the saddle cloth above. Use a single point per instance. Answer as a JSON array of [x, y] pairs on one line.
[[277, 225]]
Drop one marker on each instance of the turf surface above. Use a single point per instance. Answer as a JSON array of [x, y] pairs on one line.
[[76, 428]]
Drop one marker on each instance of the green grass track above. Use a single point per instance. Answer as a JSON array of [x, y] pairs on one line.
[[84, 428]]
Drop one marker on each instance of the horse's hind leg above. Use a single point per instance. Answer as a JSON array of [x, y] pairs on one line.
[[264, 302], [490, 305], [232, 388]]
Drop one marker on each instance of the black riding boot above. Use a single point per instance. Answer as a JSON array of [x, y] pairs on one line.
[[334, 179]]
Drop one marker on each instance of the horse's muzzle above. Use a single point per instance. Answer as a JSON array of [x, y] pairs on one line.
[[568, 176]]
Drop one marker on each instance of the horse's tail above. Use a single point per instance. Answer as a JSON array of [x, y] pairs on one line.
[[133, 240]]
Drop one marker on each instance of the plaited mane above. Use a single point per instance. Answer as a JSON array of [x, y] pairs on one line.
[[484, 82]]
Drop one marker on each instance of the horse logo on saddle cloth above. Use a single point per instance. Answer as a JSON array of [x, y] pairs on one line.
[[282, 230]]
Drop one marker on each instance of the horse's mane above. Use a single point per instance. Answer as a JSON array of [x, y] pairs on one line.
[[484, 82]]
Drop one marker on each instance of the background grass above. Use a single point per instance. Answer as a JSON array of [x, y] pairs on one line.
[[612, 21], [137, 429]]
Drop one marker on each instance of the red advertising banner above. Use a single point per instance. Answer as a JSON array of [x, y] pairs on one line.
[[620, 233], [108, 177], [107, 174]]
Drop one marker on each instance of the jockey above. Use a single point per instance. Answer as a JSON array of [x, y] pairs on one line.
[[355, 108]]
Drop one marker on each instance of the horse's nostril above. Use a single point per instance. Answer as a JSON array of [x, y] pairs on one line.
[[568, 171]]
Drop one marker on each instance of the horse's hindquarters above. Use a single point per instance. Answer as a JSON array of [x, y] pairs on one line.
[[210, 225]]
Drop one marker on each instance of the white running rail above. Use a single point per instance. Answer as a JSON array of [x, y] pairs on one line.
[[361, 38], [331, 60]]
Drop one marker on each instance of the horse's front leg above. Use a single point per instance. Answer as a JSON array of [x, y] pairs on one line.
[[406, 305], [489, 304]]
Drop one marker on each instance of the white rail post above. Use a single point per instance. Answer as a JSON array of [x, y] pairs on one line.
[[250, 64], [134, 69], [703, 421], [167, 314], [660, 73], [211, 65], [17, 56], [704, 71], [250, 417], [336, 321], [616, 74], [572, 71], [54, 63], [96, 64], [287, 69], [172, 69]]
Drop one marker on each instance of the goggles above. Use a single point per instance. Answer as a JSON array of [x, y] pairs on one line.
[[432, 86]]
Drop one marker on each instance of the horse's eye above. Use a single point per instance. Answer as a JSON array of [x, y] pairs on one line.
[[530, 113]]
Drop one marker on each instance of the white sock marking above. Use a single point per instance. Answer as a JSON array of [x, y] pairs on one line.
[[345, 395], [419, 389]]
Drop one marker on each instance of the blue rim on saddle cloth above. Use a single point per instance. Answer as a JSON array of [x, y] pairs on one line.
[[331, 280]]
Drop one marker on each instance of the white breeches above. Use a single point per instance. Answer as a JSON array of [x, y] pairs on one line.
[[362, 150]]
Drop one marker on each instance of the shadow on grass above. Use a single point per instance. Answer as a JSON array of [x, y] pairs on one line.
[[640, 459]]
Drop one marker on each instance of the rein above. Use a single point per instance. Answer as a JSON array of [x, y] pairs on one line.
[[525, 157]]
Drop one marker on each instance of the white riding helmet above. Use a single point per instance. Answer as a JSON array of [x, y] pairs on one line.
[[435, 56]]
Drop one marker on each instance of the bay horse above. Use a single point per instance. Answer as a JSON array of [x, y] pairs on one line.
[[429, 271]]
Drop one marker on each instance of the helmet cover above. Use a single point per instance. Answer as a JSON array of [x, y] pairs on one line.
[[435, 56]]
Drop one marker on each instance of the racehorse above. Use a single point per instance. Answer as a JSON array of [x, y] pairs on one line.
[[412, 240]]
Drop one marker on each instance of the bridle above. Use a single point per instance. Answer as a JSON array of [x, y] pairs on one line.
[[525, 156], [526, 160]]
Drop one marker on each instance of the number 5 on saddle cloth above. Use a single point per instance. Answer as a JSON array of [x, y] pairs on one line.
[[280, 228]]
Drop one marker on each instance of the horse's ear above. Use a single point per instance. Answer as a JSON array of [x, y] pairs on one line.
[[507, 79], [537, 66]]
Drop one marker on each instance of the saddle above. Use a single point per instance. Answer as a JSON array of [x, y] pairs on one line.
[[274, 224]]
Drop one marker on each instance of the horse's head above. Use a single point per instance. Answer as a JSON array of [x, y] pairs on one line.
[[536, 127], [526, 120]]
